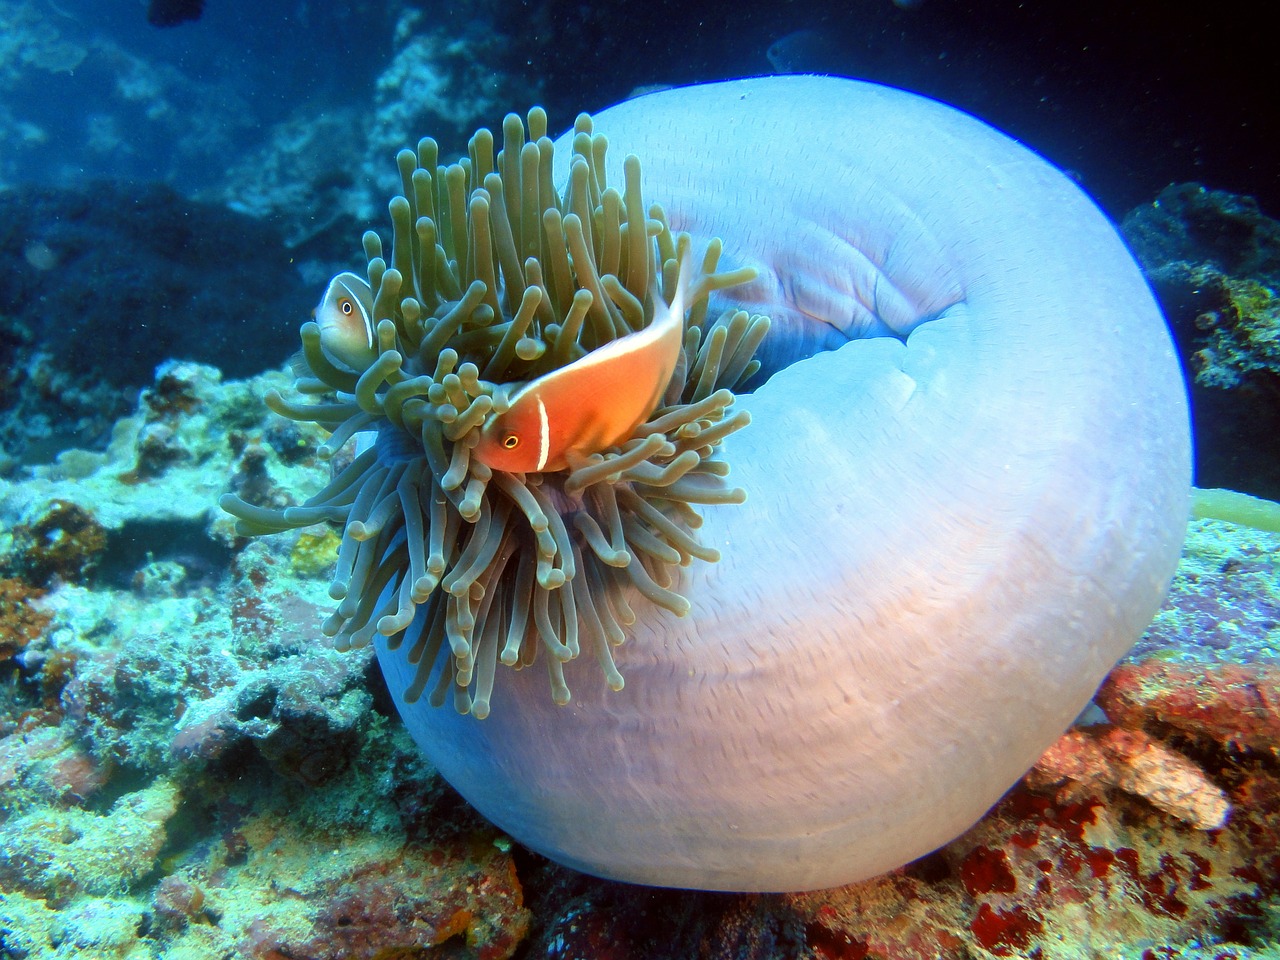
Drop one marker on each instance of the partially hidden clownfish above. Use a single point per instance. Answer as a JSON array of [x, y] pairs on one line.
[[589, 405], [345, 318]]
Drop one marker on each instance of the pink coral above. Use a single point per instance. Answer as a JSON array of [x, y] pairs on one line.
[[1130, 760]]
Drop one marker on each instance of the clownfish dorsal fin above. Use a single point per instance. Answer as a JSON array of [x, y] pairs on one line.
[[593, 403]]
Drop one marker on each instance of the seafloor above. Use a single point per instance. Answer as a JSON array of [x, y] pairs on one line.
[[186, 771]]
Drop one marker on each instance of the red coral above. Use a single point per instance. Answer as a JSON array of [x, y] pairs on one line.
[[1236, 706], [987, 871], [1005, 932]]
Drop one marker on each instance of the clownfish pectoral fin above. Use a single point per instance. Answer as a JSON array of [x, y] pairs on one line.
[[345, 318]]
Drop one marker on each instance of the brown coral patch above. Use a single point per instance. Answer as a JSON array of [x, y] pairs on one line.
[[65, 542], [1085, 762], [460, 900], [20, 622]]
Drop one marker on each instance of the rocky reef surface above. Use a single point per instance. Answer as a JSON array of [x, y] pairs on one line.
[[188, 770], [184, 770], [102, 282]]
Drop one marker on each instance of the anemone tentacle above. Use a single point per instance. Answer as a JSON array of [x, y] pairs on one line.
[[492, 280]]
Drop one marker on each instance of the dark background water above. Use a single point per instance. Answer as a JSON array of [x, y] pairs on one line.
[[1129, 97]]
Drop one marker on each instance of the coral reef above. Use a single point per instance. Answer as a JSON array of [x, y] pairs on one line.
[[244, 115], [319, 173], [61, 856], [171, 256], [185, 771], [93, 517], [439, 78], [176, 746], [138, 112], [173, 753], [302, 178], [154, 106], [1214, 260], [63, 397], [1227, 609]]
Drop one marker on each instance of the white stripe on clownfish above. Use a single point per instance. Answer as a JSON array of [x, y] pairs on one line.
[[345, 318], [544, 435], [592, 404]]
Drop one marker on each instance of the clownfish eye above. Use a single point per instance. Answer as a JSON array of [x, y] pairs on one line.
[[511, 441], [346, 307]]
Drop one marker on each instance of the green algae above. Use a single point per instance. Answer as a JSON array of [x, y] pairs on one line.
[[1240, 333], [1237, 508]]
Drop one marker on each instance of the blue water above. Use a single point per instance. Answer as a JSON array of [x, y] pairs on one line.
[[1130, 97]]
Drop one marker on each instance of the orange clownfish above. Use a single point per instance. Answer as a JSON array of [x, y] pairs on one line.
[[345, 318], [591, 404]]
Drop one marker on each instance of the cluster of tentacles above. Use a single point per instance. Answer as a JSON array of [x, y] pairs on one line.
[[494, 279]]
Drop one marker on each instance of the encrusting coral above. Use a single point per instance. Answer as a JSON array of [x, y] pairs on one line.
[[494, 280]]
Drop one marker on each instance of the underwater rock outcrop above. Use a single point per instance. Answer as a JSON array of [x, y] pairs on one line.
[[1213, 258]]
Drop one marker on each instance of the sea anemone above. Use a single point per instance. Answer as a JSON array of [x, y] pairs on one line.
[[968, 468], [495, 280]]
